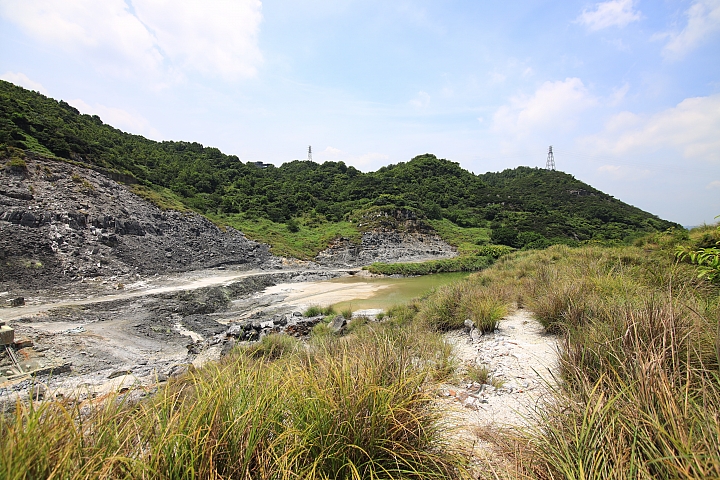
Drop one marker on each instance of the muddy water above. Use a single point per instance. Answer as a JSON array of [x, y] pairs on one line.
[[387, 292]]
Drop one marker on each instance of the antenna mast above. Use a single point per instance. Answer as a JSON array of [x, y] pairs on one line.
[[310, 153], [550, 164]]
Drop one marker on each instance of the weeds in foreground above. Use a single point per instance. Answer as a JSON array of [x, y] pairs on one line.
[[354, 407], [639, 395], [478, 373], [451, 305]]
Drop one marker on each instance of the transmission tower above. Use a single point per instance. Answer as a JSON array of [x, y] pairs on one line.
[[550, 164], [310, 153]]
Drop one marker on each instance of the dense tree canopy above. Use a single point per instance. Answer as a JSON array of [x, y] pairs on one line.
[[524, 207]]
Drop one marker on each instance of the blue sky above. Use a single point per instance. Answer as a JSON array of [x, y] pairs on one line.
[[626, 91]]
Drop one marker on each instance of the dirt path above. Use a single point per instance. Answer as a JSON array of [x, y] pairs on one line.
[[521, 360]]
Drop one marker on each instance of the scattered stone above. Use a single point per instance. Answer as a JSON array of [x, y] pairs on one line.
[[7, 335], [54, 370], [17, 302], [38, 392], [22, 342], [338, 324]]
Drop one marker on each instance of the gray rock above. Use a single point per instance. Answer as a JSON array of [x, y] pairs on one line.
[[38, 392], [469, 325], [338, 324], [17, 302]]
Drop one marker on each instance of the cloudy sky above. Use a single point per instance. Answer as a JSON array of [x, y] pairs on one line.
[[626, 91]]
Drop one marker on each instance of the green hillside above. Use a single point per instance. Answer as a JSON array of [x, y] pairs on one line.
[[307, 204]]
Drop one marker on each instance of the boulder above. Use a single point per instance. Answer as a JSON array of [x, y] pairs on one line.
[[17, 301], [338, 324]]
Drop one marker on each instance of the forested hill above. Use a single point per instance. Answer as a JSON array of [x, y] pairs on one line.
[[521, 207]]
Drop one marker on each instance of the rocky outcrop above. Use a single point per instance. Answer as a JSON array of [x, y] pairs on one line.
[[390, 235], [387, 247], [60, 222]]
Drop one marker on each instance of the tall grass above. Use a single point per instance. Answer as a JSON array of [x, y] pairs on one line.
[[355, 407], [639, 395], [451, 305]]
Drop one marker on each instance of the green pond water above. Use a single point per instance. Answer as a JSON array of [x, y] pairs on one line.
[[397, 290]]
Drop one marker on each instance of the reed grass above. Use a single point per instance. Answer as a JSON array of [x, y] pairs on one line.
[[354, 407], [639, 393]]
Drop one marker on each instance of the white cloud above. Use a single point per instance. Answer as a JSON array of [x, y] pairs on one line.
[[421, 101], [615, 13], [619, 94], [623, 172], [553, 107], [703, 22], [367, 160], [105, 30], [213, 37], [690, 128], [713, 184], [372, 159], [22, 80], [118, 118], [332, 151]]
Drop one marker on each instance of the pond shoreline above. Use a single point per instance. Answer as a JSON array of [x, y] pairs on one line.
[[156, 328]]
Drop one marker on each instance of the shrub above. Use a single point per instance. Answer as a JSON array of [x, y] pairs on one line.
[[273, 346], [478, 373], [16, 164], [321, 330], [356, 324], [346, 408], [486, 312], [313, 311], [293, 226]]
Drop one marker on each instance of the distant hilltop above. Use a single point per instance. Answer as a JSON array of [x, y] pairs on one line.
[[522, 207]]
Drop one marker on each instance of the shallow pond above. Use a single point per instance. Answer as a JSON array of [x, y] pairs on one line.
[[393, 291]]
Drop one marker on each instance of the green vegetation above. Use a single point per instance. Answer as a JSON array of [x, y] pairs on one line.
[[313, 311], [479, 373], [465, 263], [706, 258], [354, 407], [639, 395], [466, 239], [304, 242], [477, 258], [301, 206]]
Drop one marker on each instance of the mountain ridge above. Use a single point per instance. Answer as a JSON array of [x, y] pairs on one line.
[[523, 207]]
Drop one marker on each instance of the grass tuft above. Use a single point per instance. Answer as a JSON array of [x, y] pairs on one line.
[[353, 407]]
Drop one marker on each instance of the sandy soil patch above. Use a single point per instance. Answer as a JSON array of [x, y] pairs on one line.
[[304, 294], [523, 361]]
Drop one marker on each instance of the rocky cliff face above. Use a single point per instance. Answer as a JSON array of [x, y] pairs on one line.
[[395, 235], [60, 222]]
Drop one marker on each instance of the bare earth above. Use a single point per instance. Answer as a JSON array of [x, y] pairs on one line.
[[520, 355]]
